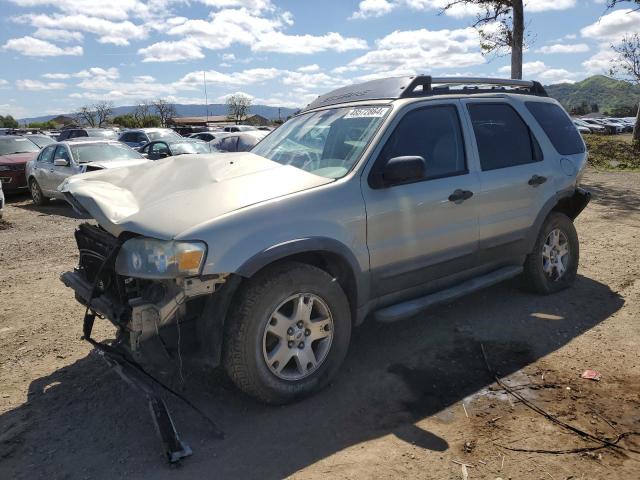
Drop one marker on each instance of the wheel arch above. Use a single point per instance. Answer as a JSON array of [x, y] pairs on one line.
[[327, 254], [569, 202]]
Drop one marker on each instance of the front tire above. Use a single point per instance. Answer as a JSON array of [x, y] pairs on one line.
[[287, 334], [553, 264], [36, 193]]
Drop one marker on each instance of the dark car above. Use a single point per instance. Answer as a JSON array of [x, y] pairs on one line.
[[239, 142], [15, 152], [41, 140], [209, 136], [141, 136], [87, 132], [172, 147]]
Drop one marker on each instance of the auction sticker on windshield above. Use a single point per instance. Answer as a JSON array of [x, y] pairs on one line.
[[367, 112]]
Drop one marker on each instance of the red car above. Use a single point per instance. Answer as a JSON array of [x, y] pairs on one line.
[[15, 152]]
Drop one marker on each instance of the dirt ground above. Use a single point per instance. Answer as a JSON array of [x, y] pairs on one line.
[[413, 399]]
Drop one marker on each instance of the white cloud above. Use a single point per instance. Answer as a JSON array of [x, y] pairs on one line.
[[3, 83], [37, 85], [256, 5], [546, 5], [181, 50], [564, 48], [309, 68], [538, 70], [59, 35], [407, 52], [227, 27], [107, 31], [278, 42], [57, 76], [600, 63], [377, 8], [372, 8], [113, 9], [609, 29], [34, 47], [613, 26]]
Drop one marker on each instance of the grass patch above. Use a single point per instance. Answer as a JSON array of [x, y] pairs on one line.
[[612, 152]]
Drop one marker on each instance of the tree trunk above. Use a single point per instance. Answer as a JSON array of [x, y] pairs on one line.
[[636, 130], [518, 40]]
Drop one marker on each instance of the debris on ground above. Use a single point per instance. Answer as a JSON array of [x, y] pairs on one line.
[[591, 375]]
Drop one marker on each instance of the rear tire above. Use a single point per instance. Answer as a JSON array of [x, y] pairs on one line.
[[280, 316], [36, 193], [553, 264]]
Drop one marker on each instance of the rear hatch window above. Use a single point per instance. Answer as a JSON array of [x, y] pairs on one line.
[[558, 126]]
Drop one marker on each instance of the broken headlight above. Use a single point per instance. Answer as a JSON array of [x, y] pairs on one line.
[[150, 258]]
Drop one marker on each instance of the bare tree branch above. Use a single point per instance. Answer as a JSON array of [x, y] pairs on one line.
[[85, 116], [164, 110], [102, 112], [627, 66], [238, 106]]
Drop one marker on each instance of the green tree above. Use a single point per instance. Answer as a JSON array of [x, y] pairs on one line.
[[509, 16], [126, 121], [8, 122], [627, 66]]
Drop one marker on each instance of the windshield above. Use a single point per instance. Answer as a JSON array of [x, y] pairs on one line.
[[190, 147], [99, 132], [41, 140], [163, 134], [17, 145], [326, 143], [100, 152]]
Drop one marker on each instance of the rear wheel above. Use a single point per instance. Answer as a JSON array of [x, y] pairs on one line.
[[288, 333], [553, 264], [36, 193]]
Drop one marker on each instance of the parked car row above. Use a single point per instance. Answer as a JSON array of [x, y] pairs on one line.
[[605, 125], [38, 164]]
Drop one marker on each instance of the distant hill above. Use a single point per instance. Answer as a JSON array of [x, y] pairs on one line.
[[606, 92], [190, 111]]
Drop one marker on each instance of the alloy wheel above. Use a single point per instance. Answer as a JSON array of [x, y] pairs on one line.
[[555, 255], [297, 336]]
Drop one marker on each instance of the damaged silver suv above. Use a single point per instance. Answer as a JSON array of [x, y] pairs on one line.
[[377, 201]]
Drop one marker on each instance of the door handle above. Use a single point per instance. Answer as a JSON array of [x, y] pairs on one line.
[[460, 195], [537, 180]]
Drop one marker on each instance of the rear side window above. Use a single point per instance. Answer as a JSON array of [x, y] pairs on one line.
[[434, 134], [558, 127], [503, 139]]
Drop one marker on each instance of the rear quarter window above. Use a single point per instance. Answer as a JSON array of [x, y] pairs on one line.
[[558, 126]]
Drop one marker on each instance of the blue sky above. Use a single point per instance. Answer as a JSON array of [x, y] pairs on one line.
[[57, 55]]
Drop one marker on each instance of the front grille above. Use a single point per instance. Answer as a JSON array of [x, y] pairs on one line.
[[95, 245]]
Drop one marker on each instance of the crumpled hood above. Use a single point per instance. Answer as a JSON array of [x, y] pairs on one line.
[[163, 198], [18, 158], [114, 163]]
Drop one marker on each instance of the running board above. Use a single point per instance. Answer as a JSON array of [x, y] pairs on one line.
[[410, 308]]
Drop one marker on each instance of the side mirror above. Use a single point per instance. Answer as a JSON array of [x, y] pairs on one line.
[[60, 162], [399, 171]]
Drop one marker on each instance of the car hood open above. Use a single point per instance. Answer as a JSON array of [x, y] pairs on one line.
[[164, 198]]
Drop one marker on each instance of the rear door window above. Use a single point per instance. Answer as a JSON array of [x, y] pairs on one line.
[[503, 138], [558, 126]]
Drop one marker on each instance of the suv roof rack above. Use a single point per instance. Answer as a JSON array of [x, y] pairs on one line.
[[393, 88]]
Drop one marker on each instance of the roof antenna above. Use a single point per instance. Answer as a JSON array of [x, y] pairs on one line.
[[206, 102]]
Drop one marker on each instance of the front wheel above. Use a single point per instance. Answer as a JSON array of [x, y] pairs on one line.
[[36, 193], [287, 334], [553, 264]]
